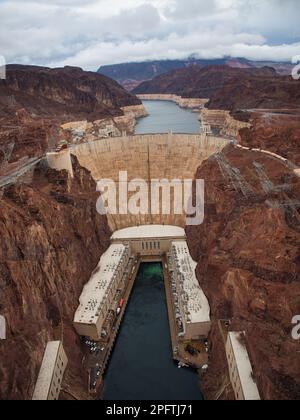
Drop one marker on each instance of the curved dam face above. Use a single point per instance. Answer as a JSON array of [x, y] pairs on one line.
[[147, 157]]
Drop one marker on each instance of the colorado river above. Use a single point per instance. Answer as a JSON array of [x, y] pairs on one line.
[[141, 367], [167, 116]]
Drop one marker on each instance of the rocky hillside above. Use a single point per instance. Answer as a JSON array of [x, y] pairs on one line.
[[248, 265], [277, 132], [34, 101], [228, 88], [51, 240], [130, 75], [71, 89]]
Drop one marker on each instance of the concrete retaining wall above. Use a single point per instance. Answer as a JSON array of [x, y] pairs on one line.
[[60, 161]]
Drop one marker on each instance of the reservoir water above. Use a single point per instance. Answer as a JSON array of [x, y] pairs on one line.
[[167, 116], [141, 367]]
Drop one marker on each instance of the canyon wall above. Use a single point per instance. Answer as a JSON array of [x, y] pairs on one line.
[[228, 88], [85, 131], [131, 75], [248, 266], [36, 101], [278, 132], [79, 91], [126, 124], [51, 240], [136, 111], [224, 121]]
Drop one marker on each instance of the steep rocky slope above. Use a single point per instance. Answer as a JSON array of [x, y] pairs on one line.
[[277, 132], [197, 81], [248, 265], [35, 101], [79, 92], [51, 240], [228, 88]]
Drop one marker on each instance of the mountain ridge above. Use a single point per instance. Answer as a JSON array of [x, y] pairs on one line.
[[35, 101], [228, 88], [131, 74]]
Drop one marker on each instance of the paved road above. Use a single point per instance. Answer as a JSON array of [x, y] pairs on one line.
[[15, 173]]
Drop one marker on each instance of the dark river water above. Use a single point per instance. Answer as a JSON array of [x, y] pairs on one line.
[[141, 367], [167, 116]]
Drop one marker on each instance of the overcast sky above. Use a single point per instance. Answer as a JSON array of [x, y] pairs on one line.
[[90, 33]]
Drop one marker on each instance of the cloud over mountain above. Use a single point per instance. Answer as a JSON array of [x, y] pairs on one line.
[[90, 33]]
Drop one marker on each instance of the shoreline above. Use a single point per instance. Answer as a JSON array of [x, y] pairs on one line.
[[186, 103]]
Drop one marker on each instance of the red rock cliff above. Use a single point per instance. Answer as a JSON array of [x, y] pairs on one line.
[[276, 132], [51, 240], [35, 101], [248, 265], [79, 91], [228, 88]]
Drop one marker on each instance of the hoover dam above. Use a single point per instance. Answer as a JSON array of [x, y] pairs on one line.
[[145, 157], [141, 303], [144, 242], [141, 240]]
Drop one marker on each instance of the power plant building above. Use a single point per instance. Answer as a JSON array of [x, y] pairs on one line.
[[150, 240], [48, 385], [240, 369], [100, 294], [191, 305]]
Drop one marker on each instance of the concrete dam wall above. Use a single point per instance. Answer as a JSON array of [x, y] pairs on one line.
[[147, 157]]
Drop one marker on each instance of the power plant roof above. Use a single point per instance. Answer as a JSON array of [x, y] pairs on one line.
[[149, 232], [96, 290], [195, 302]]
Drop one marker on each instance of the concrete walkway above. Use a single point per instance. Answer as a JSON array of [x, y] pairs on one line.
[[287, 162], [15, 171]]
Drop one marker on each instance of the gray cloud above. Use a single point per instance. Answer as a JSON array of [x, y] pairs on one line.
[[191, 9], [90, 33]]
